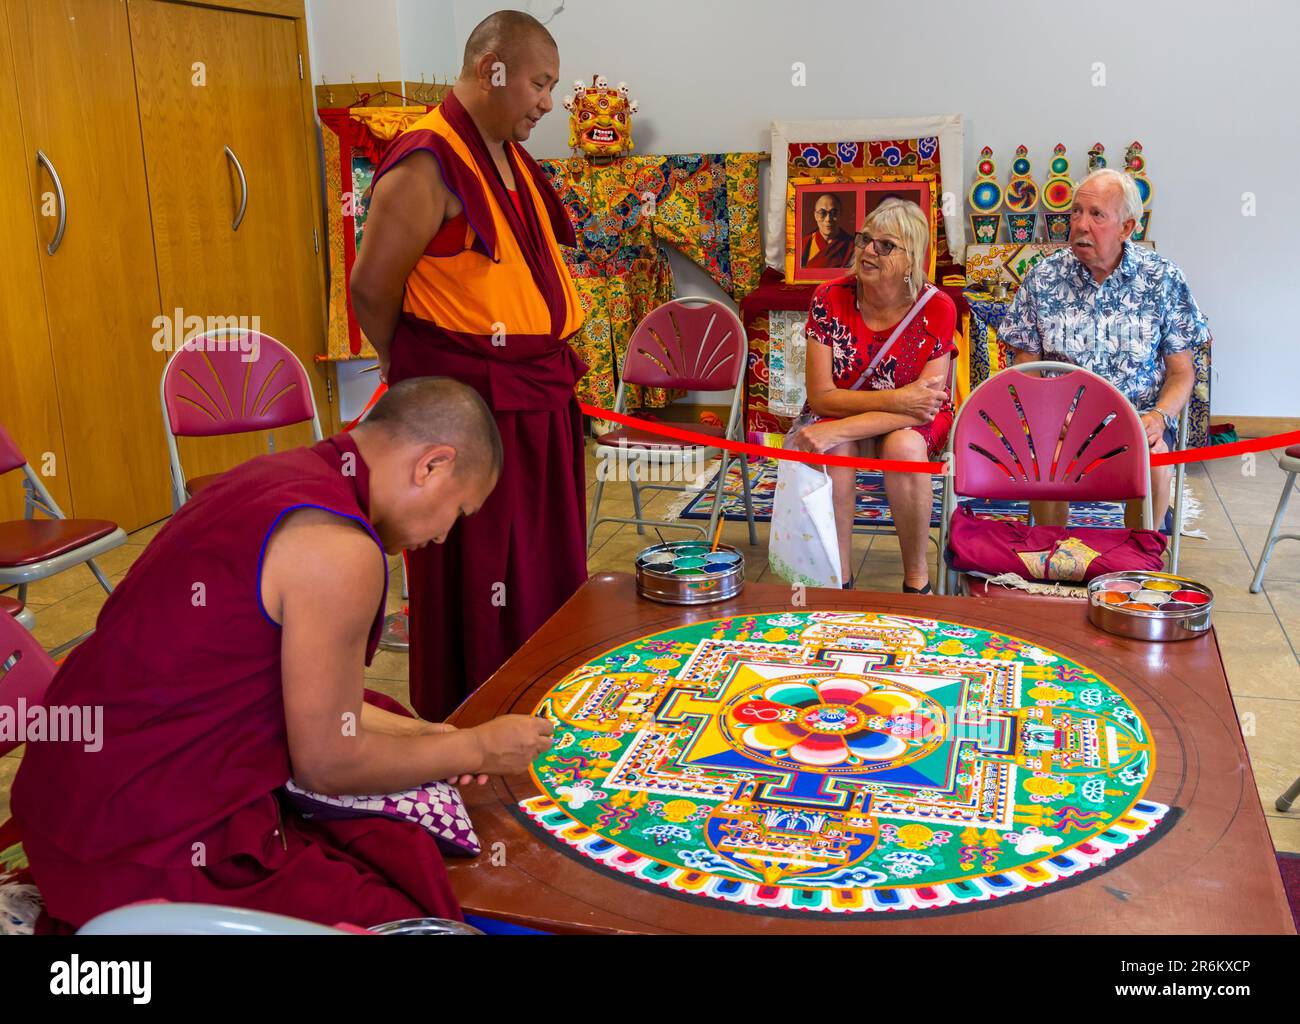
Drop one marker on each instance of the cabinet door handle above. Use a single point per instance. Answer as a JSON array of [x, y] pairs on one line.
[[57, 240], [243, 187]]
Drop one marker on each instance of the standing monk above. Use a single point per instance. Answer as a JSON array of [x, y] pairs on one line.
[[231, 659], [460, 275]]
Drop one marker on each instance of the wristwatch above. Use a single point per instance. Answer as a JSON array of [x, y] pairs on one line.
[[1171, 422]]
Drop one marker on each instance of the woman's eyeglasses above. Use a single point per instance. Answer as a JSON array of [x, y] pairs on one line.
[[881, 246]]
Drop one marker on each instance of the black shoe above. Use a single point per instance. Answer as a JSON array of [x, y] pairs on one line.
[[847, 586], [913, 590]]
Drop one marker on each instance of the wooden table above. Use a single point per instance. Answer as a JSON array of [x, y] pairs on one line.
[[1212, 872]]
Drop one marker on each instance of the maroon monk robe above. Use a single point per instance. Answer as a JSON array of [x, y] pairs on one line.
[[180, 803], [504, 571]]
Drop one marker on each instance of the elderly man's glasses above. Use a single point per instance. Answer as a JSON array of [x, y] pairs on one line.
[[882, 246]]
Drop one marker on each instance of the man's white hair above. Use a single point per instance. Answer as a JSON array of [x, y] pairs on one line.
[[1130, 198]]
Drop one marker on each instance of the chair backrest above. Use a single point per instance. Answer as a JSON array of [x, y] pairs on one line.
[[25, 671], [11, 456], [691, 344], [232, 382], [1073, 437]]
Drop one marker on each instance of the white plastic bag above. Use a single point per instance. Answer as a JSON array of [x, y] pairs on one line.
[[803, 545]]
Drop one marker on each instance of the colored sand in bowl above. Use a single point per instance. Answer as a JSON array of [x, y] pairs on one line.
[[690, 562], [717, 567], [1160, 585], [1191, 597], [1138, 606], [1113, 598], [1177, 606], [688, 572], [1151, 596], [657, 558], [1122, 586], [691, 550], [728, 557]]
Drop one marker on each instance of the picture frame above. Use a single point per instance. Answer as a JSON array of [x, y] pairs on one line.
[[822, 213]]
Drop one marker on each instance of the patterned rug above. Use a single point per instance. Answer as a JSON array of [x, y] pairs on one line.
[[872, 506]]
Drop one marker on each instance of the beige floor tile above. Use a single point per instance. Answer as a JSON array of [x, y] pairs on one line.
[[58, 623], [1284, 564], [1285, 598], [1256, 656], [1285, 831], [390, 665], [79, 577], [1272, 732], [145, 534]]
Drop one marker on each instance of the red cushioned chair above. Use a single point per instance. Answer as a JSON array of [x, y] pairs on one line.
[[34, 549], [231, 382], [690, 344], [1068, 437]]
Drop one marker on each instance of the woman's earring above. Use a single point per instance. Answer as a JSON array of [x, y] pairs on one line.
[[907, 279]]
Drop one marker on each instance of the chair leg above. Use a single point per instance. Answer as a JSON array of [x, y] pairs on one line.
[[1285, 801], [99, 575], [1176, 541], [717, 497], [1257, 583], [749, 501], [594, 515], [632, 465]]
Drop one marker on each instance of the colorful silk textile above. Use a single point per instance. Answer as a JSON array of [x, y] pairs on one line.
[[703, 204]]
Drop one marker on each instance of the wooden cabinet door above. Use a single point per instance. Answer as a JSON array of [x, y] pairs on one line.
[[29, 403], [76, 90], [210, 81]]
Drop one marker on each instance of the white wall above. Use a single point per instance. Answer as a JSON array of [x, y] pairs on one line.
[[1208, 88]]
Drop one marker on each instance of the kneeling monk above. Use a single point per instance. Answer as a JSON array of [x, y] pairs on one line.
[[231, 658]]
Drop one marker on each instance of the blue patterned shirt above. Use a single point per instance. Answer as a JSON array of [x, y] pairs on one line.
[[1120, 328]]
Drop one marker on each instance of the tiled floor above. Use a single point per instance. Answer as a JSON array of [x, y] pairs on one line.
[[1259, 634]]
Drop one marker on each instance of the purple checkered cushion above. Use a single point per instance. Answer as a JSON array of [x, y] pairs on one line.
[[436, 806]]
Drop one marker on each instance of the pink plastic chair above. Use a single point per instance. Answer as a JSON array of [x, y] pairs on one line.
[[25, 672], [691, 344], [1072, 437], [231, 382]]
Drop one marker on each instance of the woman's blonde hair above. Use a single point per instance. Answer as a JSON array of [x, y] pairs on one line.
[[907, 221]]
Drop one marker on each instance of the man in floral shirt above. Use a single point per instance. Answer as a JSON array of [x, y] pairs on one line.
[[1118, 309]]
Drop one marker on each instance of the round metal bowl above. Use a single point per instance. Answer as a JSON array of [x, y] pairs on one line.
[[1142, 625], [659, 579], [424, 926]]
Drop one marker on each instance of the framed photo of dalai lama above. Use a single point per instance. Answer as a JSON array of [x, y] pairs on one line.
[[822, 218]]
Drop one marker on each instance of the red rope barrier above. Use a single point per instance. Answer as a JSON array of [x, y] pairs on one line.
[[1219, 451]]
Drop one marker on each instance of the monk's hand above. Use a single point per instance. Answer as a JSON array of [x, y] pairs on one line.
[[436, 728], [921, 399], [1154, 424], [818, 438], [511, 743]]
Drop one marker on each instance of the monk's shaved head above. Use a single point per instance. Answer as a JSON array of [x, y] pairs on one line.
[[504, 33], [439, 410]]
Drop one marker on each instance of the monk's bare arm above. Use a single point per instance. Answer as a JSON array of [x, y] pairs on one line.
[[407, 208], [322, 579]]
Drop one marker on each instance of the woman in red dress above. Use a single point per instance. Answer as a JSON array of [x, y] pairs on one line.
[[903, 410]]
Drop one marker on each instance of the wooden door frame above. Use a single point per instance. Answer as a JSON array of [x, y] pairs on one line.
[[296, 11]]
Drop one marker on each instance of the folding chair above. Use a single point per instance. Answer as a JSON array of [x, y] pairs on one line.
[[1072, 437], [34, 549], [692, 344], [208, 376], [1290, 463]]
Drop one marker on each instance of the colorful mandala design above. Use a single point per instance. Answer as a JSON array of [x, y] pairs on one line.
[[842, 762], [986, 195]]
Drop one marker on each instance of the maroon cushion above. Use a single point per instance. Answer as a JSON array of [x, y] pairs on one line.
[[26, 541], [199, 482], [10, 605], [1293, 452], [634, 438]]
